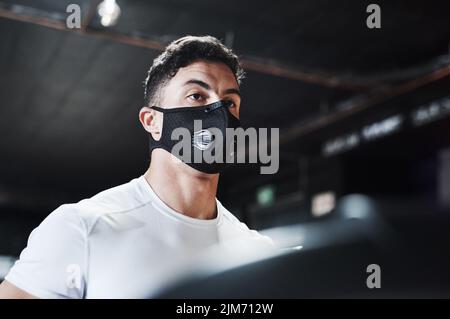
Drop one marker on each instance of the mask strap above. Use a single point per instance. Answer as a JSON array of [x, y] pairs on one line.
[[206, 108], [159, 109], [213, 106]]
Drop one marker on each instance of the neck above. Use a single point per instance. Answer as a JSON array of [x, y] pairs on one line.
[[182, 188]]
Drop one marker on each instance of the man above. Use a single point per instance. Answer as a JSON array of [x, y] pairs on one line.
[[124, 242]]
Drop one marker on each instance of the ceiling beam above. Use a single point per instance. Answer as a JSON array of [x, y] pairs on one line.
[[264, 66], [358, 105]]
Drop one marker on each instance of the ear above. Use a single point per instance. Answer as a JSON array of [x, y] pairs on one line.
[[151, 122]]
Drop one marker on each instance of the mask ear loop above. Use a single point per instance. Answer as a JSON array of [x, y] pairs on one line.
[[159, 109]]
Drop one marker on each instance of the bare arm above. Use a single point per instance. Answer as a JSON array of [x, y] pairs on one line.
[[9, 291]]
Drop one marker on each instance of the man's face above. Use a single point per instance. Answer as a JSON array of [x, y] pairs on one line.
[[197, 84]]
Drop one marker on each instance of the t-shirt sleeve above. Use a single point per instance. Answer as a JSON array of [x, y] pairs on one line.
[[53, 265]]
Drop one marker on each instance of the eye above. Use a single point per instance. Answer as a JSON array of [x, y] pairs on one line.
[[197, 97], [233, 104]]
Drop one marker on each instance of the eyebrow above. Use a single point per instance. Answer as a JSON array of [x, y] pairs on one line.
[[233, 91], [206, 86]]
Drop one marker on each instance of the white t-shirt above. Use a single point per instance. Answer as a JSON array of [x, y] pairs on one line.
[[121, 243]]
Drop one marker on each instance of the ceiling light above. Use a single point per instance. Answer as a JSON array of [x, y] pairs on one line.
[[109, 12]]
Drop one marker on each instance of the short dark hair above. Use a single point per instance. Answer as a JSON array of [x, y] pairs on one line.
[[181, 53]]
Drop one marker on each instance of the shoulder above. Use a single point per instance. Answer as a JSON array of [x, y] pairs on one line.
[[120, 199], [59, 245], [242, 230]]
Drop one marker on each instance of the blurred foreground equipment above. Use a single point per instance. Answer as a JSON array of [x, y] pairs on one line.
[[330, 258]]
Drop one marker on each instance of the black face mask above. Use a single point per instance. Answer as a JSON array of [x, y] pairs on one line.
[[215, 115]]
